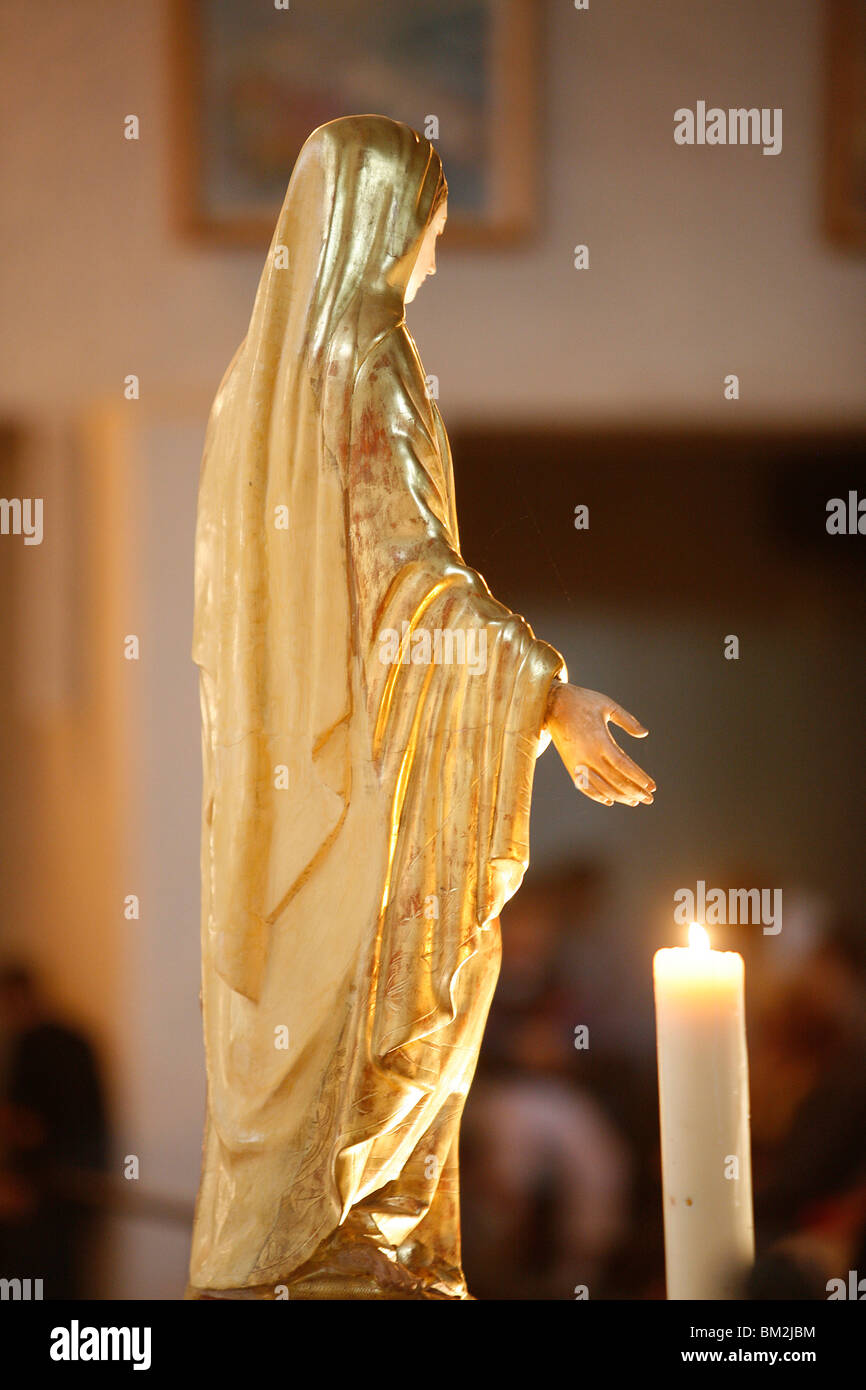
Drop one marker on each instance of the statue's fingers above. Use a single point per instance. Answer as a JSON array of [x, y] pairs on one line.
[[630, 792], [626, 768], [586, 781], [597, 796], [627, 721], [606, 789], [622, 788]]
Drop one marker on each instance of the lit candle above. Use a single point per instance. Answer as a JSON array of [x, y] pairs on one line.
[[704, 1114]]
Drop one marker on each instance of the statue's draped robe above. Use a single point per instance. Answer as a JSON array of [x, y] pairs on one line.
[[343, 1141], [364, 818]]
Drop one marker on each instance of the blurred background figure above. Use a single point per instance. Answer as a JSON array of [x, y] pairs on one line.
[[808, 1061], [53, 1140], [546, 1171], [545, 1180]]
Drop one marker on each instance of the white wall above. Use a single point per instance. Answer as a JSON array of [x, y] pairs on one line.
[[703, 261]]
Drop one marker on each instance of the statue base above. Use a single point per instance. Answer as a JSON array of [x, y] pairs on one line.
[[325, 1288]]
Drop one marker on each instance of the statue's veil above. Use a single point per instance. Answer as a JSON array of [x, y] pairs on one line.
[[272, 630]]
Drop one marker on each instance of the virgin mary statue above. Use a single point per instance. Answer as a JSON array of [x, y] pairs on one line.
[[371, 718]]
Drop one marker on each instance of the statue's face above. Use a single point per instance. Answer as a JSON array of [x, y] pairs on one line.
[[426, 263]]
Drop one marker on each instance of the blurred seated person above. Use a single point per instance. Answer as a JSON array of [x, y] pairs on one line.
[[52, 1135], [545, 1177], [810, 1199]]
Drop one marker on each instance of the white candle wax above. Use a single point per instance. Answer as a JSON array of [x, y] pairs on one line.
[[704, 1115]]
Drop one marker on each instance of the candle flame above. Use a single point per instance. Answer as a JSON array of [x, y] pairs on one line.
[[699, 939]]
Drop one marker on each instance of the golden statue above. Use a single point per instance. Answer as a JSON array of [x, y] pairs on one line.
[[371, 718]]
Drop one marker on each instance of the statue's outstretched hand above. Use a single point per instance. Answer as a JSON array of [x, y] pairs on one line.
[[577, 722]]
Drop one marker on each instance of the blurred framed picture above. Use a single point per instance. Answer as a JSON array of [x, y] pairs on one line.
[[252, 81], [845, 208]]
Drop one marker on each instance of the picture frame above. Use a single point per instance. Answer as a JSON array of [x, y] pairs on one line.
[[845, 177], [252, 82]]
